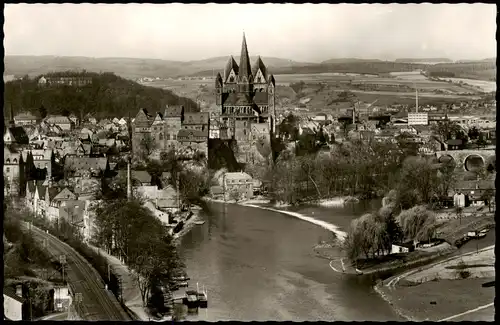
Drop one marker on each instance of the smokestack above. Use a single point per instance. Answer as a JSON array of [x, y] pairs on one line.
[[416, 98], [129, 183]]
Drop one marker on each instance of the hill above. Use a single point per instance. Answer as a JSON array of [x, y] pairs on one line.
[[349, 60], [482, 70], [108, 96], [425, 61], [130, 68]]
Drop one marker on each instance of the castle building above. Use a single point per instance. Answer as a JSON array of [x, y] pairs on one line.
[[244, 95]]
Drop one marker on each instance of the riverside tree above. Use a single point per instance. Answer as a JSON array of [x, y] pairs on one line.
[[417, 223], [130, 231]]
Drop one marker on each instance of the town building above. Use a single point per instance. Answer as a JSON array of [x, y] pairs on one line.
[[192, 141], [418, 118], [75, 81], [13, 303], [238, 184], [25, 119], [62, 122], [42, 159], [244, 93], [173, 123], [13, 171], [15, 135]]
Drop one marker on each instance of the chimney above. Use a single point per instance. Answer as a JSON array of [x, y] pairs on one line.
[[416, 98], [129, 183], [19, 290]]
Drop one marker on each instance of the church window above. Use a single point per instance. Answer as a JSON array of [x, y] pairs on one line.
[[8, 161], [244, 132], [14, 161], [231, 79], [8, 169], [259, 79]]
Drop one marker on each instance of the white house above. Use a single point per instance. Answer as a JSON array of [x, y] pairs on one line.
[[62, 298], [397, 248], [12, 304]]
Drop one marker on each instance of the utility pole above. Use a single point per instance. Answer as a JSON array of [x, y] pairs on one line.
[[62, 259]]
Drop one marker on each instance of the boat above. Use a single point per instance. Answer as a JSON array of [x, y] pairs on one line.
[[191, 299], [203, 298], [200, 222]]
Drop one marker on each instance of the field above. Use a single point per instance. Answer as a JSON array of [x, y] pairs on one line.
[[320, 91]]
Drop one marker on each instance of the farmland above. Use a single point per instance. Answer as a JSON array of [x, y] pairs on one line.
[[320, 91]]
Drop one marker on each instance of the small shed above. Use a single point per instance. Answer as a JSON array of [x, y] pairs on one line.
[[397, 248]]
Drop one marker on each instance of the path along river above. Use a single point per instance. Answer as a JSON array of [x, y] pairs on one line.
[[259, 265]]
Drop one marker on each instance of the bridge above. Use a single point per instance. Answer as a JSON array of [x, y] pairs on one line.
[[470, 160]]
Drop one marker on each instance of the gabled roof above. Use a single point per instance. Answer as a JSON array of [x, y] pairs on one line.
[[174, 111], [58, 119], [271, 80], [65, 194], [85, 163], [261, 98], [19, 135], [183, 133], [41, 189], [24, 116], [260, 65], [52, 192], [140, 175], [237, 99], [230, 65], [218, 80], [9, 292], [196, 118]]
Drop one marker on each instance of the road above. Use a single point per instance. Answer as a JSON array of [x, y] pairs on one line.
[[97, 303]]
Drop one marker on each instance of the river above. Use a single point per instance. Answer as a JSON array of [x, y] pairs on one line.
[[259, 265]]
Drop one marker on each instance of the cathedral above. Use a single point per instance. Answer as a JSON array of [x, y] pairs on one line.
[[245, 96]]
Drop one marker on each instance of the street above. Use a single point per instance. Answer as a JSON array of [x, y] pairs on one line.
[[97, 303]]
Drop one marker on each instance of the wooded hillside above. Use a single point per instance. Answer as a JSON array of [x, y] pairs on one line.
[[108, 96]]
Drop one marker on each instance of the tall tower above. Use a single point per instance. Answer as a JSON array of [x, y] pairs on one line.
[[12, 122], [245, 74], [271, 99], [416, 99]]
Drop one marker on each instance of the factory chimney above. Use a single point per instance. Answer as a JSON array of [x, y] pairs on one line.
[[129, 183]]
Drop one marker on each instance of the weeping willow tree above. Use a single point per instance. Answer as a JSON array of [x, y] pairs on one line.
[[417, 223]]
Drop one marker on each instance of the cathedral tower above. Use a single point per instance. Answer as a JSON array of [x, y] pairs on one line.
[[245, 80]]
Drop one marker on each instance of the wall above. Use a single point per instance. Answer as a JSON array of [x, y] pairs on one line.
[[12, 308]]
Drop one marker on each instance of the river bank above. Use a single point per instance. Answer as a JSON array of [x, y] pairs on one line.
[[438, 292]]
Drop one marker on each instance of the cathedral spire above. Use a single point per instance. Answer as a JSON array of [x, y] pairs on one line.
[[245, 68]]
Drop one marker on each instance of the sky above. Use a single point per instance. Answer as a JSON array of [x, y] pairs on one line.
[[300, 32]]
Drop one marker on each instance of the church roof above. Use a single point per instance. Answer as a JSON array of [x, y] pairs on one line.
[[245, 69], [237, 99], [230, 65], [260, 65], [260, 98], [218, 79], [271, 79]]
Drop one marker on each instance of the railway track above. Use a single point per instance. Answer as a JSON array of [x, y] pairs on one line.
[[98, 304]]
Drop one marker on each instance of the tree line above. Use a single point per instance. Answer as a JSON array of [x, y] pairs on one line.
[[130, 231], [108, 96]]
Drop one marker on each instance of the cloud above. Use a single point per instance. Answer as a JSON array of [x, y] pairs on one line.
[[307, 32]]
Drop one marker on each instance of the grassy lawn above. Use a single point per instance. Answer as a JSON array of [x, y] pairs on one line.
[[453, 229], [451, 297]]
